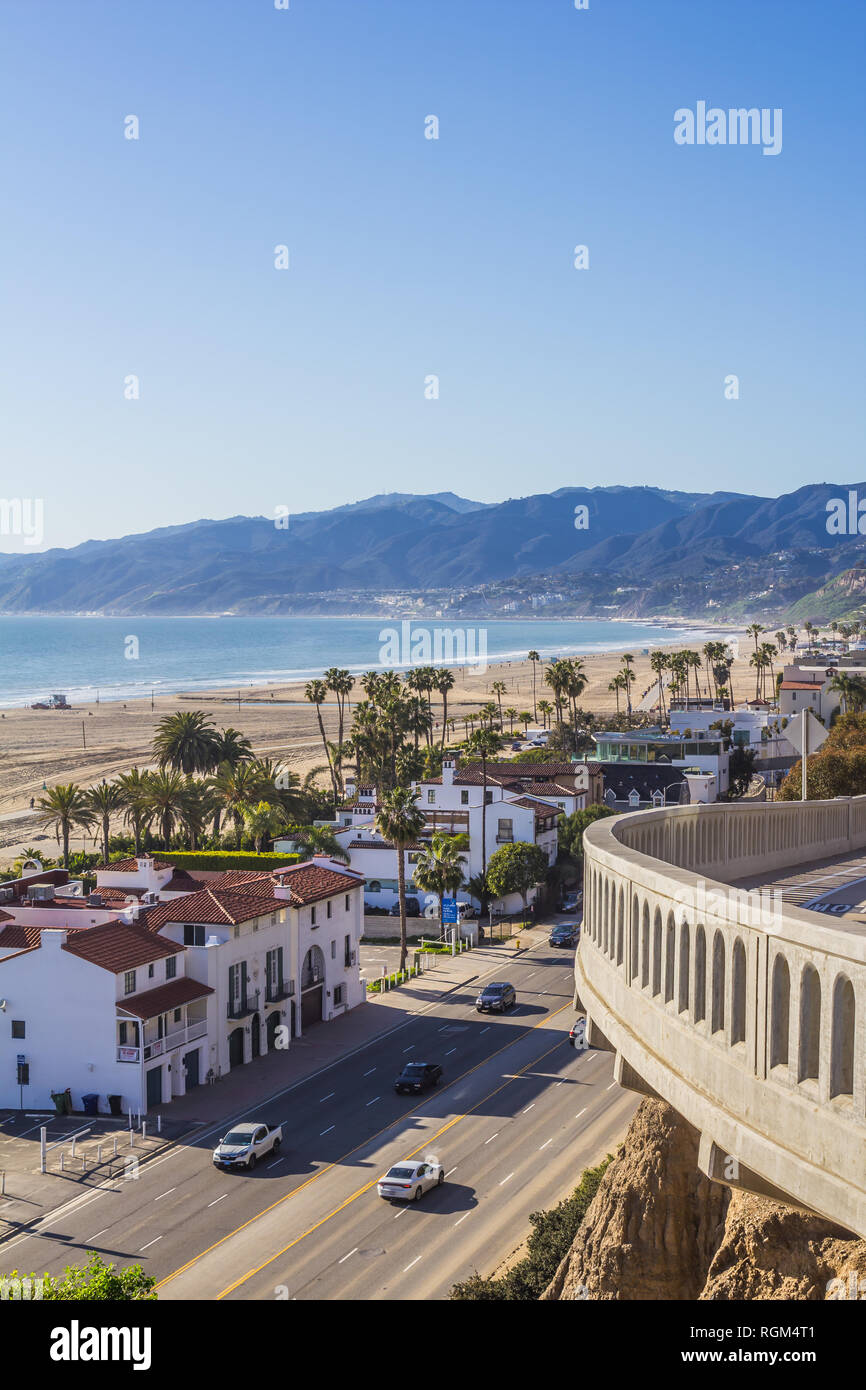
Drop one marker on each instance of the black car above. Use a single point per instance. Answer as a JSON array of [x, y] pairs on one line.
[[417, 1076], [413, 908], [566, 934], [496, 998]]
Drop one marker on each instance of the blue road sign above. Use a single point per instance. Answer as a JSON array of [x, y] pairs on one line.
[[449, 909]]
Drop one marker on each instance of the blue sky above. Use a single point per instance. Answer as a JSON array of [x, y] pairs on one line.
[[410, 256]]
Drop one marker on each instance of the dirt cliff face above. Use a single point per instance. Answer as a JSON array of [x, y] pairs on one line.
[[658, 1229]]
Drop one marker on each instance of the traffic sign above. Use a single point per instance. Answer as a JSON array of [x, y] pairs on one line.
[[449, 909], [815, 733]]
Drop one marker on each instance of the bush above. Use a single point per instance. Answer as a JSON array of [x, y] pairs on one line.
[[94, 1281], [223, 859], [552, 1235]]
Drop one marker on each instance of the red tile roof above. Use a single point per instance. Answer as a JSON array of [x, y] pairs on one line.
[[311, 881], [219, 907], [128, 866], [20, 935], [164, 997], [119, 946], [798, 685]]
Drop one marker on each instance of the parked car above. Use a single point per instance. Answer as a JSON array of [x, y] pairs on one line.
[[418, 1076], [496, 998], [244, 1145], [577, 1033], [413, 908], [465, 911], [407, 1182], [566, 934], [571, 902]]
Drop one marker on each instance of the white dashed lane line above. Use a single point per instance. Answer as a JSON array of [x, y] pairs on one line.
[[327, 1097], [505, 1180], [328, 1130], [370, 1072], [492, 1137], [373, 1101], [450, 1050], [414, 1262], [544, 1145], [349, 1256], [219, 1199], [149, 1244], [165, 1194]]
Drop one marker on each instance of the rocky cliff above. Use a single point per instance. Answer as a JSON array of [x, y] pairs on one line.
[[658, 1229]]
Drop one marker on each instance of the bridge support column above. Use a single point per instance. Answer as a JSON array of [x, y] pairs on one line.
[[630, 1080], [595, 1037], [726, 1168]]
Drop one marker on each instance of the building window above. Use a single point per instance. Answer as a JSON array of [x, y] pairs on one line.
[[488, 797], [347, 902], [193, 934], [431, 797], [338, 996], [312, 916], [236, 931], [505, 832], [18, 1028], [129, 982], [374, 886], [328, 907], [464, 798], [171, 968], [150, 970], [176, 1015], [347, 952], [333, 950]]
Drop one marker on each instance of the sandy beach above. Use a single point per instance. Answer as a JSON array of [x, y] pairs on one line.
[[93, 741]]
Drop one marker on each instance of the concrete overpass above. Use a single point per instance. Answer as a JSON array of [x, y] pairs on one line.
[[748, 1016]]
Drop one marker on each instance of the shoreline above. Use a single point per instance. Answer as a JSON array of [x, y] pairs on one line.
[[96, 741]]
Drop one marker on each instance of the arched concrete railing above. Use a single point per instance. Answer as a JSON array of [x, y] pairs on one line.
[[747, 1015]]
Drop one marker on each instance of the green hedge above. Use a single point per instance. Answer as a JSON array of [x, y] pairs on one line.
[[221, 859]]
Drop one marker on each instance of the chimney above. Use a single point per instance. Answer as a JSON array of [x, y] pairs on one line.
[[449, 768]]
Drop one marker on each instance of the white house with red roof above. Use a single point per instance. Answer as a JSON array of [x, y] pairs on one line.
[[107, 1010]]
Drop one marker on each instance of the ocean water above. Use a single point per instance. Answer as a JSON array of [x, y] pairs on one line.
[[124, 658]]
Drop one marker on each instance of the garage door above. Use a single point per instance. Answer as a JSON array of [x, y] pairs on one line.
[[190, 1062], [311, 1007]]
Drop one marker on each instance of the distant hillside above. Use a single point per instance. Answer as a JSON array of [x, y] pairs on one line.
[[644, 550], [843, 598]]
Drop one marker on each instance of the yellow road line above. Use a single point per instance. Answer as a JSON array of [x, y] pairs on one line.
[[337, 1161], [366, 1188]]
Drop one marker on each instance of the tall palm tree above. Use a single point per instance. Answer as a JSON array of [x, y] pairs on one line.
[[104, 800], [400, 822], [133, 788], [628, 675], [510, 715], [62, 808], [341, 682], [546, 711], [440, 868], [526, 719], [236, 787], [197, 805], [316, 692], [555, 677], [498, 688], [186, 742], [444, 683], [615, 686], [533, 656], [164, 801], [659, 662], [232, 747]]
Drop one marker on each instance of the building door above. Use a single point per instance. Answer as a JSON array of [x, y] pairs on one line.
[[154, 1086], [191, 1064], [255, 1025], [236, 1048], [311, 1006], [273, 1023]]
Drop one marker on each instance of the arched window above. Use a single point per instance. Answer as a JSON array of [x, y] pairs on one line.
[[620, 928], [810, 1025], [738, 994], [717, 1016], [683, 997], [700, 975], [374, 886], [842, 1051], [780, 1026], [657, 952], [313, 969], [635, 938], [645, 948], [670, 955]]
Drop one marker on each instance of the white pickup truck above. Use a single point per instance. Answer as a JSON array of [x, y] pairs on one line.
[[244, 1145]]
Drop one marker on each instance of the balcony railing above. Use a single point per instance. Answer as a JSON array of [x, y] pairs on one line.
[[505, 839], [156, 1047], [279, 990], [242, 1005], [310, 978]]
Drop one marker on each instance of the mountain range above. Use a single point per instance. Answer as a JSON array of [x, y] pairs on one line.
[[677, 551]]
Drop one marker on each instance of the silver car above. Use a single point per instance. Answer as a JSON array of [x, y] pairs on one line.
[[407, 1182]]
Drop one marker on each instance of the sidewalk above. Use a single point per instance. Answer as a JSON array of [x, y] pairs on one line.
[[247, 1091]]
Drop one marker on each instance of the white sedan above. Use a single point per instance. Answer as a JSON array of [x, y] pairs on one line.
[[407, 1182]]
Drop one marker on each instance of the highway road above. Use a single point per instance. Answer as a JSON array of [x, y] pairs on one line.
[[517, 1118]]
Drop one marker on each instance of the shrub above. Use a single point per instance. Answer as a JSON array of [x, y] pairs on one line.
[[553, 1233]]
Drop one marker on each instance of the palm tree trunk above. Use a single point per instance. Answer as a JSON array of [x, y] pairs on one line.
[[327, 753], [401, 893]]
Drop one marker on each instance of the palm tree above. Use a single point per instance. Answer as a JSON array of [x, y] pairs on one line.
[[400, 822], [236, 787], [546, 710], [318, 839], [104, 800], [444, 683], [341, 682], [629, 677], [263, 821], [510, 715], [232, 747], [534, 657], [615, 686], [315, 692], [440, 868], [186, 742], [62, 808], [659, 662], [499, 688], [133, 788], [197, 805], [555, 677], [525, 719], [164, 801]]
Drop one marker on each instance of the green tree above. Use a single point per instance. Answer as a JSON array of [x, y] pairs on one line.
[[516, 868], [186, 742], [440, 868], [400, 822], [104, 801], [483, 744], [133, 790], [164, 801], [316, 692], [263, 821], [64, 807]]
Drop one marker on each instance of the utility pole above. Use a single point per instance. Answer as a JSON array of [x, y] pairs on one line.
[[83, 736]]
